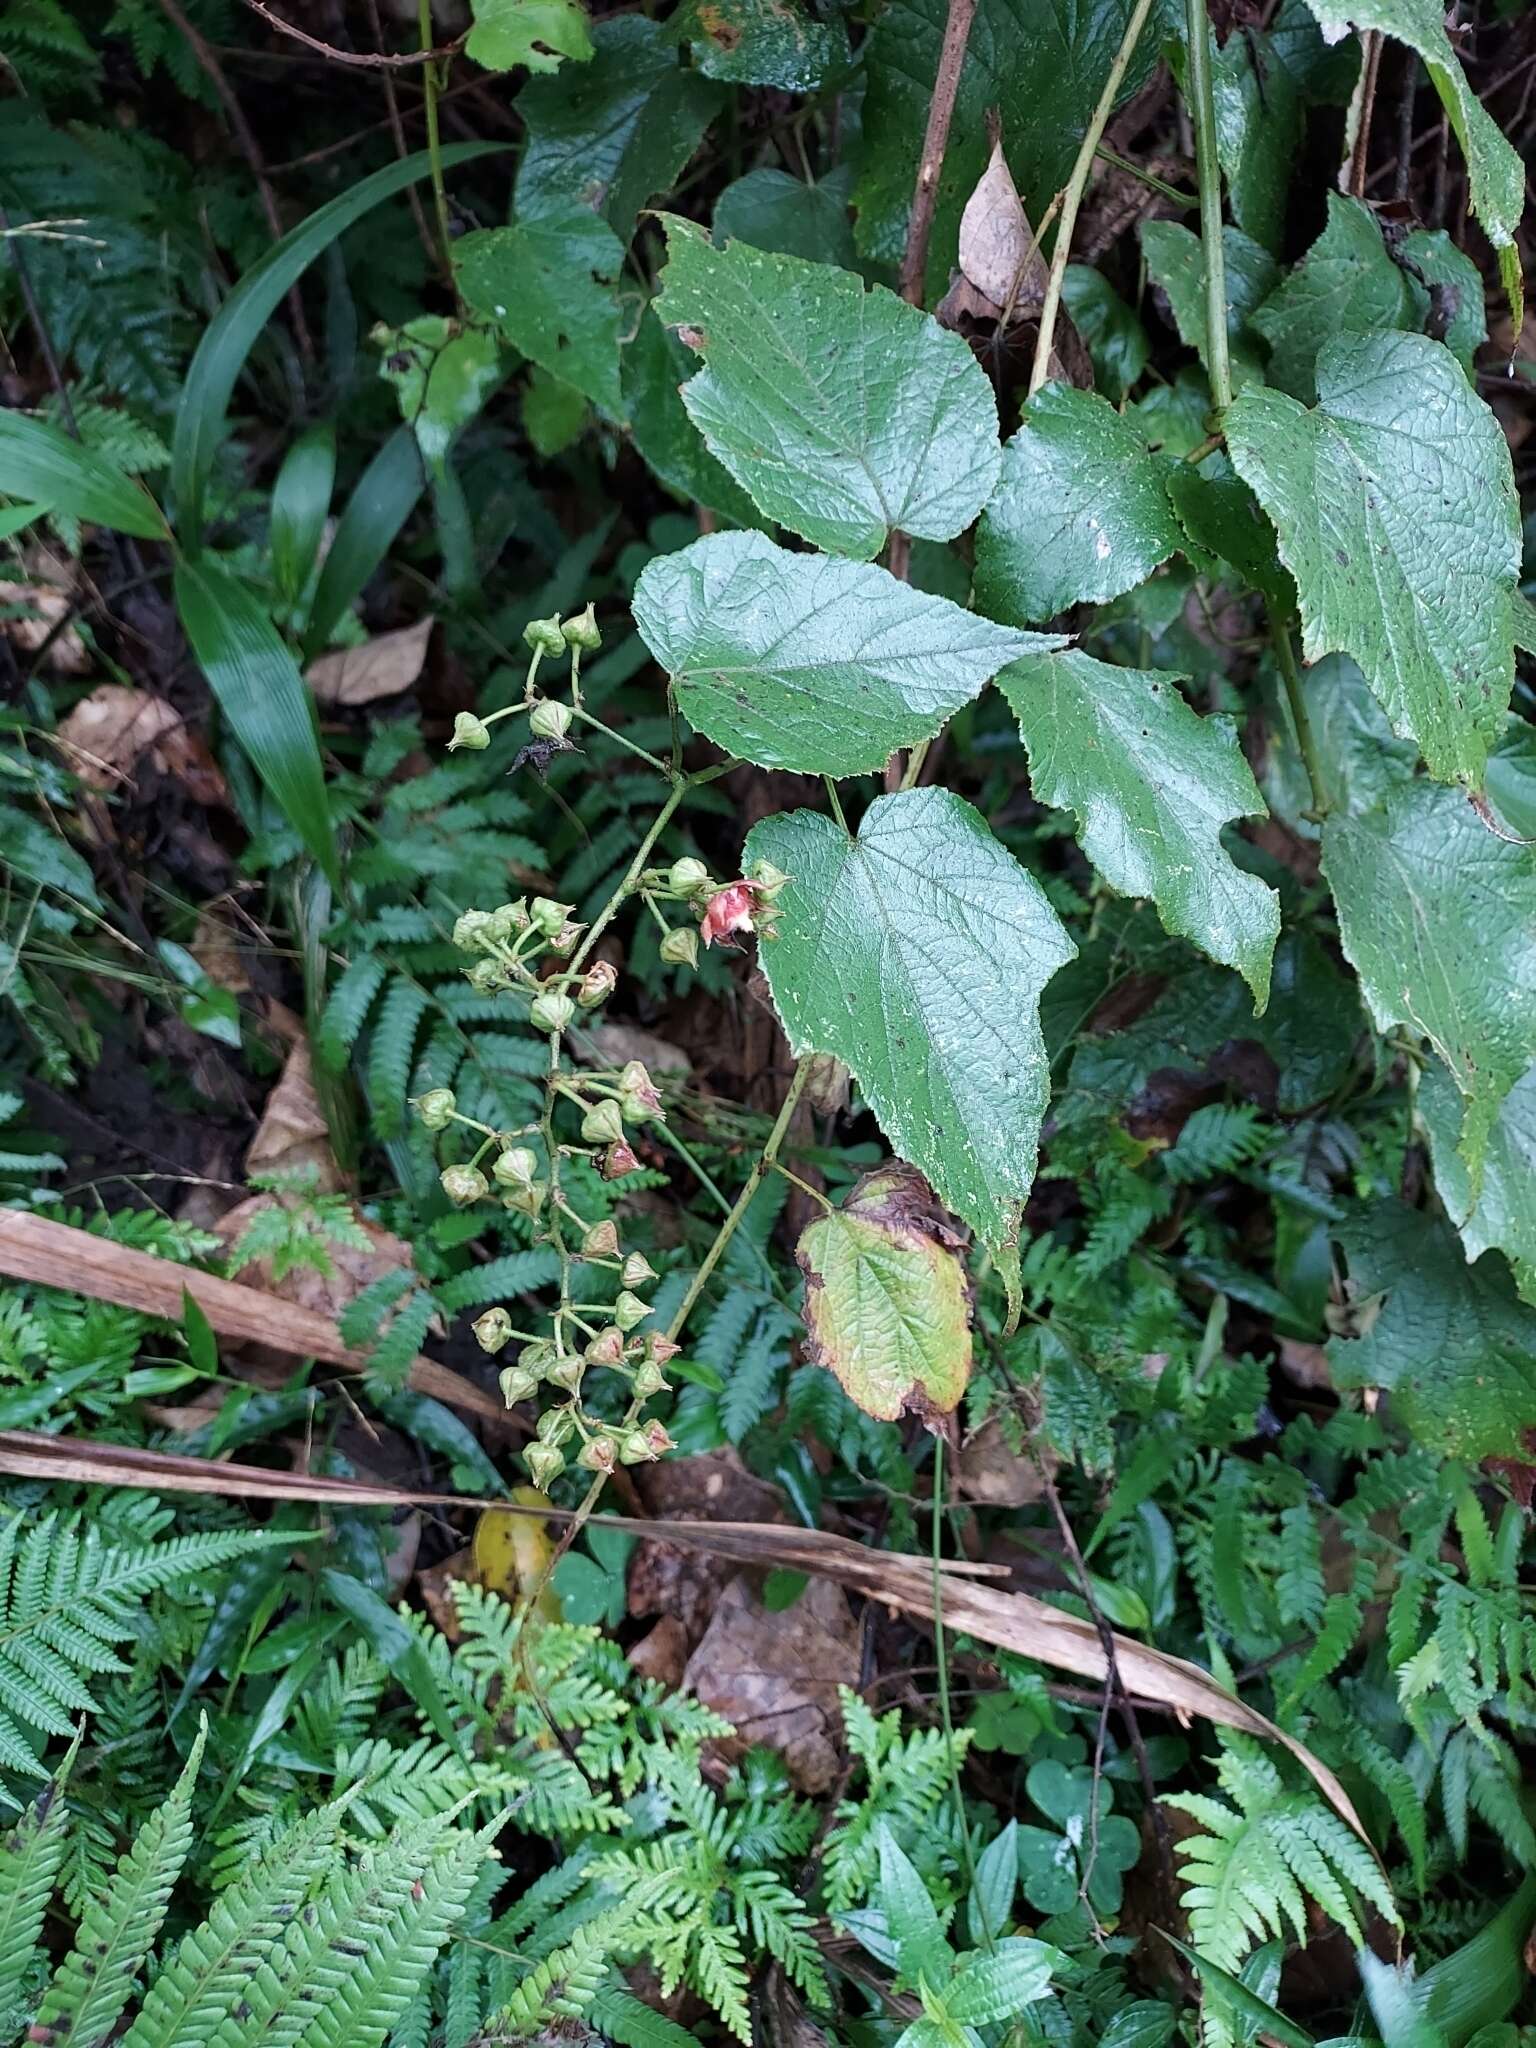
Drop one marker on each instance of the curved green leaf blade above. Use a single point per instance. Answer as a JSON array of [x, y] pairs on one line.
[[232, 333], [1395, 505], [886, 1304], [1081, 514], [844, 413], [1177, 266], [262, 694], [1500, 1212], [301, 501], [382, 499], [995, 1987], [652, 371], [917, 953], [46, 466], [535, 33], [1152, 784], [809, 663], [1438, 918]]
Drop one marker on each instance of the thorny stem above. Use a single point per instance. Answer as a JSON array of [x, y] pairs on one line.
[[1296, 698], [1202, 108], [431, 84], [1077, 184]]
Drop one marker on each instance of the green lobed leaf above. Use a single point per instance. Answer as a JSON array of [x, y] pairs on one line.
[[610, 134], [916, 954], [1494, 169], [535, 33], [1152, 784], [773, 43], [1437, 915], [233, 331], [546, 284], [261, 693], [809, 663], [41, 463], [789, 217], [653, 368], [1260, 126], [1395, 506], [1453, 1344], [844, 413], [1499, 1211], [1347, 283], [1176, 265], [886, 1304], [442, 373], [1081, 514]]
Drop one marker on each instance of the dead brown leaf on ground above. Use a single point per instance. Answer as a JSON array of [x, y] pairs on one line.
[[293, 1136], [111, 731], [381, 667], [775, 1676], [988, 1471], [39, 609]]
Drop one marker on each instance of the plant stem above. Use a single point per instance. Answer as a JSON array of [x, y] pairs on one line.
[[1295, 696], [1202, 110], [941, 1659], [941, 111], [610, 909], [431, 83], [1076, 185]]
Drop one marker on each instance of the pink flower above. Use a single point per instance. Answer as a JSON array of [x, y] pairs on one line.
[[729, 910]]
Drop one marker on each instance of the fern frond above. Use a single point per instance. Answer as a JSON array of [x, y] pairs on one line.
[[66, 1602], [347, 1007], [564, 1984], [94, 1982], [31, 1853]]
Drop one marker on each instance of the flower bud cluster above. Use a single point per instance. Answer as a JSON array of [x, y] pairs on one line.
[[718, 909]]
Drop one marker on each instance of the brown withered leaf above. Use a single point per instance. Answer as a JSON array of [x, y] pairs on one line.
[[292, 1136], [886, 1303], [986, 1470], [39, 609], [775, 1676], [109, 732], [381, 667]]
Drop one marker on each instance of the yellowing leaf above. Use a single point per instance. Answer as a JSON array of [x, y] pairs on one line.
[[885, 1297], [512, 1552]]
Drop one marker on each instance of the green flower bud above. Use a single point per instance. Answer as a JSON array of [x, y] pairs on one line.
[[638, 1270], [635, 1448], [517, 1385], [517, 1167], [687, 875], [507, 920], [658, 1439], [526, 1201], [550, 1011], [601, 1241], [599, 1453], [544, 1463], [767, 879], [436, 1107], [544, 636], [596, 985], [680, 947], [462, 1184], [581, 631], [603, 1123], [471, 929], [549, 915], [470, 733], [555, 1425], [549, 720], [639, 1097], [629, 1310], [493, 1330], [537, 1357], [567, 1372], [649, 1381], [488, 977], [563, 941]]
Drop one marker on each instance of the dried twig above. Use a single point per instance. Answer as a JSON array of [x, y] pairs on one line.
[[53, 1254], [365, 60], [941, 111]]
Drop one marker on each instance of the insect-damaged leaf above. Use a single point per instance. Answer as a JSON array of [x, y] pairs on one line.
[[885, 1297], [916, 953], [808, 663]]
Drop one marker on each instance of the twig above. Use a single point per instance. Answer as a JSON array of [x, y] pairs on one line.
[[365, 60], [1077, 185], [250, 149], [1408, 92], [432, 85], [1202, 107], [397, 132], [39, 325], [941, 110], [1364, 108]]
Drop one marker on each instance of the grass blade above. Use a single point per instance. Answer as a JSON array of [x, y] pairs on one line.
[[40, 462], [301, 498], [262, 694], [379, 506], [233, 331]]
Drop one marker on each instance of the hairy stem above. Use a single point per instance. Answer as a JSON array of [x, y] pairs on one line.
[[1295, 697], [1202, 110], [1076, 186]]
